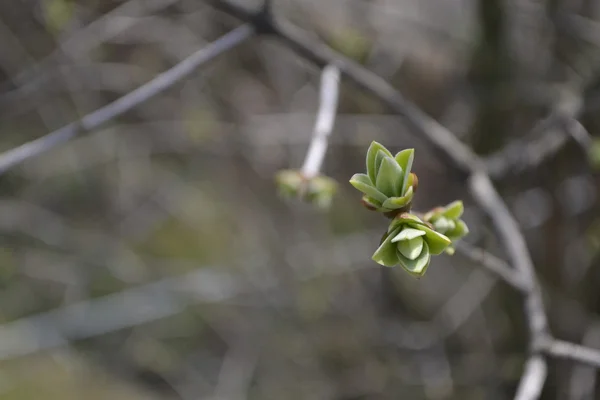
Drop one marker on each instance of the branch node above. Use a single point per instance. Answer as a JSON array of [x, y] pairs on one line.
[[262, 20]]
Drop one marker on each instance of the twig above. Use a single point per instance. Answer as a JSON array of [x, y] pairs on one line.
[[120, 106], [532, 381], [541, 143], [493, 264], [582, 384], [572, 351], [330, 83], [457, 309], [447, 146], [514, 243], [109, 25], [160, 299], [578, 132], [545, 139]]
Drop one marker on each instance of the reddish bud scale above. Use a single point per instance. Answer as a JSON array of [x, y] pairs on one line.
[[415, 182]]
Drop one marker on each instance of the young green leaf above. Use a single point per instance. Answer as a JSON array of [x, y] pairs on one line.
[[405, 160], [374, 148], [363, 183], [389, 177]]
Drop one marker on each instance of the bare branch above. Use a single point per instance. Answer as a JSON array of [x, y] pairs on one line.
[[493, 264], [109, 25], [120, 106], [514, 242], [153, 301], [544, 140], [330, 84], [578, 132], [447, 146], [572, 351], [532, 381], [582, 383]]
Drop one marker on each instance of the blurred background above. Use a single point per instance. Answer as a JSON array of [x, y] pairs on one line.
[[154, 259]]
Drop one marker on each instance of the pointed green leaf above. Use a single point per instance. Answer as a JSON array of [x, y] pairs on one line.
[[411, 248], [394, 203], [454, 210], [436, 241], [389, 177], [459, 230], [407, 234], [379, 157], [417, 266], [363, 183], [374, 148], [405, 160], [386, 254]]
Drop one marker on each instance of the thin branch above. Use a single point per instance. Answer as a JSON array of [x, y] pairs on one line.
[[447, 146], [578, 132], [457, 309], [120, 106], [582, 383], [163, 298], [532, 381], [493, 264], [513, 241], [572, 351], [330, 85], [107, 26], [545, 139]]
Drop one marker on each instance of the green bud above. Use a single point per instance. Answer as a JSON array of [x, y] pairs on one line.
[[409, 242], [388, 184], [446, 220], [318, 191]]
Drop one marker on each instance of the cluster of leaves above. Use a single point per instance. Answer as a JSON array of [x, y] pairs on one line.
[[410, 240]]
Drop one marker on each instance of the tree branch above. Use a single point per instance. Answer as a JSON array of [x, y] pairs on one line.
[[120, 106], [330, 84], [493, 264], [544, 140], [572, 351], [532, 381]]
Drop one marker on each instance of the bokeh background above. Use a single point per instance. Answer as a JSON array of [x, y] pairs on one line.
[[154, 259]]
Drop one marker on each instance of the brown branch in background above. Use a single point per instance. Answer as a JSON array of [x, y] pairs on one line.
[[533, 378], [133, 99], [571, 351], [545, 139], [73, 47], [493, 264], [582, 383]]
